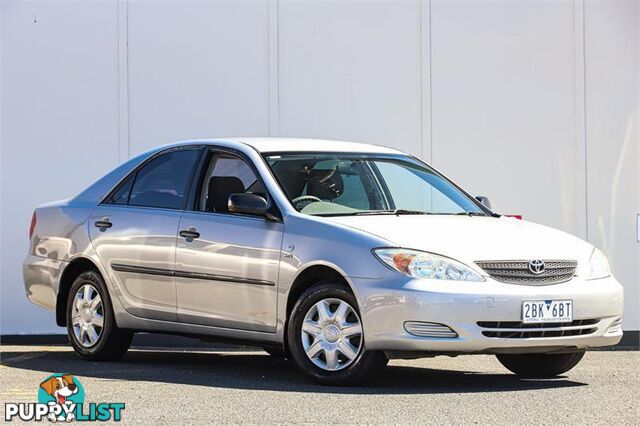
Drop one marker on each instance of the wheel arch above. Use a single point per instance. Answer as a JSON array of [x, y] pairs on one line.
[[308, 277], [70, 273], [312, 275]]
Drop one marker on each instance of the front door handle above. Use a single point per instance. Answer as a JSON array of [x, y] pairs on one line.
[[190, 233], [103, 223]]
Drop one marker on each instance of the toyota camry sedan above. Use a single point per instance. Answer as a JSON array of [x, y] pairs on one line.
[[336, 255]]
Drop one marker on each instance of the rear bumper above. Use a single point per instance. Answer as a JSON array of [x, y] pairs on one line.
[[41, 280], [388, 303]]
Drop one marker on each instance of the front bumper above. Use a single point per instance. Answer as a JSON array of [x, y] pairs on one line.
[[386, 304]]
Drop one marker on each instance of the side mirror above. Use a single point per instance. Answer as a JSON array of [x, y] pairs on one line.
[[249, 204], [484, 201]]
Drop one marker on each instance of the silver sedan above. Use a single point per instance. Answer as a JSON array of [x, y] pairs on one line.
[[337, 255]]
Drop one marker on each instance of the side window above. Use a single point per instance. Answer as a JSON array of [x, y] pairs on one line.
[[226, 175], [121, 196], [163, 181]]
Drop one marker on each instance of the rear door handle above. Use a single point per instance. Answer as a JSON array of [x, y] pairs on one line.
[[190, 233], [103, 223]]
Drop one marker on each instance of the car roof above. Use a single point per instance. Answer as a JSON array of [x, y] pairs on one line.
[[273, 145], [99, 189]]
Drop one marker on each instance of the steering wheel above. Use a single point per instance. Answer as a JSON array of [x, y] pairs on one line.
[[311, 198]]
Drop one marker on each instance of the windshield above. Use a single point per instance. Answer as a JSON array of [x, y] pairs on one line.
[[347, 184]]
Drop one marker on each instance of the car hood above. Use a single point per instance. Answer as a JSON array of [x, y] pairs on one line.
[[470, 239]]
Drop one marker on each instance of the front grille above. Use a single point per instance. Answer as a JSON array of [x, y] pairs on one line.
[[517, 271], [519, 330]]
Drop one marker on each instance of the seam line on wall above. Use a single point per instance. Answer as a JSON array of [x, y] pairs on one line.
[[426, 135], [273, 67], [584, 122], [430, 91], [123, 80], [421, 78], [584, 84]]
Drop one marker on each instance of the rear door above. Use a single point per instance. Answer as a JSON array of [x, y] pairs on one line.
[[227, 264], [134, 232]]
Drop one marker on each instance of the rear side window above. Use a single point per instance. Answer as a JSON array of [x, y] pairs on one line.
[[121, 196], [164, 181]]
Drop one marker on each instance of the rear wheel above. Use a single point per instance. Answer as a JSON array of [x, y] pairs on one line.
[[540, 365], [326, 338], [91, 325]]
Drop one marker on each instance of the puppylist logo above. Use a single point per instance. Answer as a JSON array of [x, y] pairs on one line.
[[61, 399]]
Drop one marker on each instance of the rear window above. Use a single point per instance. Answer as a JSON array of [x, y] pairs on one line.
[[162, 182]]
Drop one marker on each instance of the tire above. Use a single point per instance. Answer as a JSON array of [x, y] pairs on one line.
[[537, 366], [347, 370], [111, 342]]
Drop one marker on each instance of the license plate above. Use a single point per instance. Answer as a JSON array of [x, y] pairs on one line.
[[538, 311]]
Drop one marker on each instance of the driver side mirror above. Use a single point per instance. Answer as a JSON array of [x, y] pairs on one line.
[[484, 201], [252, 204]]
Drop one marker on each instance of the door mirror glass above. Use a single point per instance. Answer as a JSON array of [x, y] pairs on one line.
[[248, 204], [484, 201]]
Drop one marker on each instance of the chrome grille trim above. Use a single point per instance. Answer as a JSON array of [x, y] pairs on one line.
[[519, 330], [520, 325], [517, 271]]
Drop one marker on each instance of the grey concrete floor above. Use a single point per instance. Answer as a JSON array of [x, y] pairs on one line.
[[219, 387]]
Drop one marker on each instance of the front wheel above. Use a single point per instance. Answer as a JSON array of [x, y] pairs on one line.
[[540, 365], [326, 338], [91, 325]]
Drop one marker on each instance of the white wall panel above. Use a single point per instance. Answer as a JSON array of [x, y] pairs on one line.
[[59, 126], [197, 70], [504, 106], [529, 102], [351, 70], [613, 140]]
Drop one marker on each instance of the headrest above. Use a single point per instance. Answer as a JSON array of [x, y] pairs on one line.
[[220, 187], [325, 184]]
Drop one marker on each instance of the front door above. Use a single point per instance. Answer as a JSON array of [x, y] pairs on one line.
[[227, 264], [134, 233]]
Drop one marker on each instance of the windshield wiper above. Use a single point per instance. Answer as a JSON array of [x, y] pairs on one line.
[[400, 212], [388, 212], [470, 214], [405, 211], [476, 214]]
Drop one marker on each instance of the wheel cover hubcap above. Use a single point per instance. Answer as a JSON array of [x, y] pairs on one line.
[[332, 334], [87, 316]]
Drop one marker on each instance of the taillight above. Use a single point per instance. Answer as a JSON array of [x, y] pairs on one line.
[[517, 216], [32, 227]]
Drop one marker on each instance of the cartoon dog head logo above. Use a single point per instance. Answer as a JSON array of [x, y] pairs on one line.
[[61, 388]]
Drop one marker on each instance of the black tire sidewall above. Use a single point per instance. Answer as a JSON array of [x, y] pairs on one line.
[[540, 365], [94, 279], [358, 369]]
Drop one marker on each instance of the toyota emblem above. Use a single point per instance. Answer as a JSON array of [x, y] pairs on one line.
[[536, 266]]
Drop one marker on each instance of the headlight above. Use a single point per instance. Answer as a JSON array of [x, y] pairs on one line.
[[419, 264], [598, 265]]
